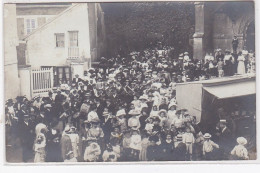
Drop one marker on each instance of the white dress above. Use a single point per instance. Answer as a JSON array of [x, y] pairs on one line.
[[74, 142], [241, 65]]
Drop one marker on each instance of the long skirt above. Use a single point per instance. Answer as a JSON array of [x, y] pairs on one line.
[[241, 67], [40, 155]]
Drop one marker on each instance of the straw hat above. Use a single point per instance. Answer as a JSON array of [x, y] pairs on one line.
[[134, 112], [241, 141], [172, 104], [67, 129], [163, 110], [120, 112], [179, 137], [69, 153], [207, 136], [142, 98]]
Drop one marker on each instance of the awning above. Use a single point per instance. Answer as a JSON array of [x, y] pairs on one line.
[[232, 89]]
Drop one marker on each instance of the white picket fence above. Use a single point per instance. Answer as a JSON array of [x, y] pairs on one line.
[[41, 81]]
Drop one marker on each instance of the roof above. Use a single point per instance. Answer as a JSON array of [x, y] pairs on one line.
[[232, 89], [42, 5], [53, 19], [222, 80]]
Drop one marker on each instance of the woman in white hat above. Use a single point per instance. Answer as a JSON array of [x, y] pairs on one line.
[[74, 137], [163, 117], [240, 152], [122, 120], [92, 152], [171, 113], [143, 100], [208, 147], [39, 148]]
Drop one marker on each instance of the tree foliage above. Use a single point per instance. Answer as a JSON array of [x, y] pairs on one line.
[[136, 26]]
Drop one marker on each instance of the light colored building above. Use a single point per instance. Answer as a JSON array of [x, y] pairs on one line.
[[66, 43], [70, 37], [11, 78], [61, 40], [48, 43], [30, 17]]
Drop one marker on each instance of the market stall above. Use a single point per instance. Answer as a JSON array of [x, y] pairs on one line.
[[203, 99]]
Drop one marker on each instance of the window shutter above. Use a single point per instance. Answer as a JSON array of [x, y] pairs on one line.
[[20, 27]]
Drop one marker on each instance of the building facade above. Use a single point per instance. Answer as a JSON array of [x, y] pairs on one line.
[[48, 43], [216, 23], [30, 17]]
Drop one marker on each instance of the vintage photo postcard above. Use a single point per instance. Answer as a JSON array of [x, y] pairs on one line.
[[88, 82]]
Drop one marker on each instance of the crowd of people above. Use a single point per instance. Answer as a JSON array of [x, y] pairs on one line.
[[126, 110]]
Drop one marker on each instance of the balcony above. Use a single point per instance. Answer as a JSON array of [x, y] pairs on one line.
[[73, 53]]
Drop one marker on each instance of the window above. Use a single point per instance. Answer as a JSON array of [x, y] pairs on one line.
[[73, 38], [30, 25], [59, 39]]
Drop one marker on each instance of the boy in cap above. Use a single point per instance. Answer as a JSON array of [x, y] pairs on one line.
[[188, 139], [153, 151], [208, 147], [180, 149], [240, 152]]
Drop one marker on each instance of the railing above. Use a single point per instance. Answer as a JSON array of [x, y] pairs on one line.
[[73, 53], [41, 81]]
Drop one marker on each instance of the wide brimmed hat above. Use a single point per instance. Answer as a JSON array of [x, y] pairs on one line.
[[134, 112], [142, 97], [9, 101], [162, 110], [80, 83], [73, 129], [207, 135], [156, 118], [69, 153], [48, 106], [91, 70], [67, 129], [120, 112], [241, 141], [178, 112], [149, 127], [179, 137], [172, 104]]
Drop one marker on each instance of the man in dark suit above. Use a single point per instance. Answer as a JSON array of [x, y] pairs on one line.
[[76, 80], [65, 143], [58, 102], [225, 140], [26, 136], [180, 149]]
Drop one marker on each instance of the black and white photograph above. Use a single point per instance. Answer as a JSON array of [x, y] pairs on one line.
[[146, 82]]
